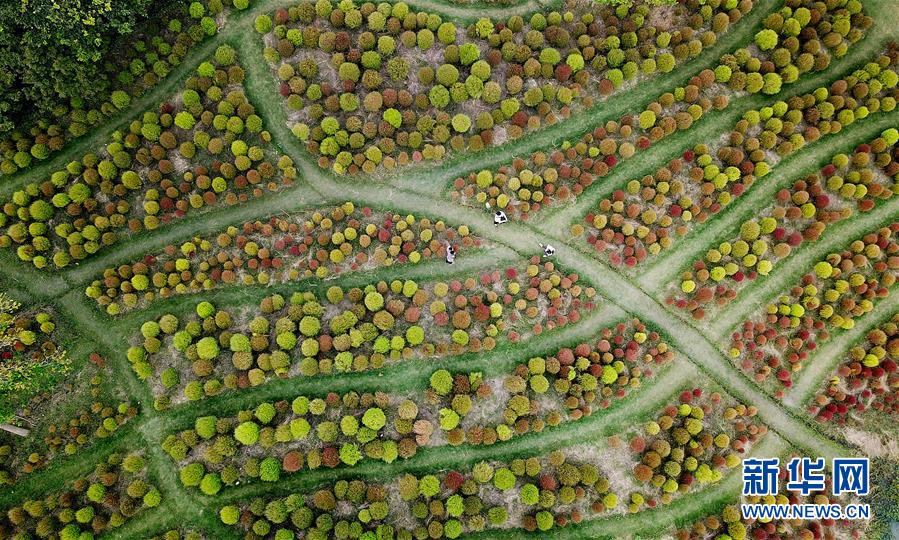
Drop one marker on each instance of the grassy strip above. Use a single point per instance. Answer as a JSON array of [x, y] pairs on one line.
[[824, 360], [64, 470], [665, 268], [154, 521], [402, 376], [711, 126], [16, 274], [637, 407], [837, 237], [169, 515], [657, 522], [468, 13]]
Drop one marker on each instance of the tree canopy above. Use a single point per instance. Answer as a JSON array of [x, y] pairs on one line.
[[53, 52]]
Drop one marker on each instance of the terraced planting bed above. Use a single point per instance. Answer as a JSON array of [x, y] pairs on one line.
[[445, 269]]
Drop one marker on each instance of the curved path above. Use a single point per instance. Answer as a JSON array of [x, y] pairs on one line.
[[418, 190], [787, 272], [657, 522], [826, 358], [237, 24]]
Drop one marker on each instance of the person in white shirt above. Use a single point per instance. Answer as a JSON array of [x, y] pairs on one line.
[[499, 217]]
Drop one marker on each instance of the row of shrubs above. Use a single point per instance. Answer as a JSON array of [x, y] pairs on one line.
[[352, 330], [145, 59], [693, 442], [310, 432], [650, 214], [862, 386], [789, 45], [801, 212], [201, 148], [536, 493], [496, 80], [312, 244], [830, 297]]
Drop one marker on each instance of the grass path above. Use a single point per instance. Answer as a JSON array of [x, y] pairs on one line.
[[419, 190], [825, 359], [638, 406], [790, 270], [468, 13], [660, 271], [25, 277], [656, 523], [108, 344]]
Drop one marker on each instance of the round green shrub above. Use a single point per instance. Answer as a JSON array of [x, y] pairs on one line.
[[207, 348], [504, 479], [205, 426], [229, 514], [263, 24], [211, 484], [374, 418], [191, 474], [265, 412], [247, 433], [442, 382], [270, 470]]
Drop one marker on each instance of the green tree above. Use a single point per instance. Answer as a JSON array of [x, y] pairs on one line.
[[766, 39], [247, 433], [442, 382], [29, 371], [349, 454], [54, 52]]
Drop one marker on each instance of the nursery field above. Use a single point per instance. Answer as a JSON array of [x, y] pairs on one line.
[[292, 269]]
